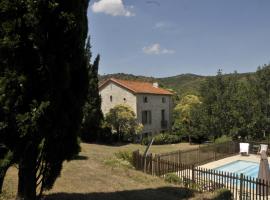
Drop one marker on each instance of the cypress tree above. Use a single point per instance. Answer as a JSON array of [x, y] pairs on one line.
[[93, 116], [43, 86]]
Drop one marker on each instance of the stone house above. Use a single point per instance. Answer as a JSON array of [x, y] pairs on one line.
[[151, 104]]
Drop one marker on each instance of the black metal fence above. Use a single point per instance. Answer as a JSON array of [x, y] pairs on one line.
[[202, 154], [242, 187]]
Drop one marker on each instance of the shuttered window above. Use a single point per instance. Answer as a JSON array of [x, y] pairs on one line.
[[146, 117]]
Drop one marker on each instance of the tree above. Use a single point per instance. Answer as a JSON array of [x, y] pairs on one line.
[[182, 113], [123, 120], [217, 94], [43, 87], [92, 114], [262, 84]]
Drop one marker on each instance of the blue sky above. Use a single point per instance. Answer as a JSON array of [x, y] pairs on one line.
[[169, 37]]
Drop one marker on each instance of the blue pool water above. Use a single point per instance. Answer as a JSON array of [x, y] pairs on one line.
[[246, 167]]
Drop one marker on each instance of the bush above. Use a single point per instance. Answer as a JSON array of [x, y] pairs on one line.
[[163, 138], [166, 138], [172, 178], [105, 135], [223, 194], [222, 139], [124, 155]]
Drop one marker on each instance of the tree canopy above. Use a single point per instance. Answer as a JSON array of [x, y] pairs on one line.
[[43, 87], [123, 121]]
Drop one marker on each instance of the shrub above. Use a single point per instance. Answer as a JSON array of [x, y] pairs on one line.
[[105, 135], [163, 138], [124, 155], [222, 139], [166, 138], [223, 194], [172, 178], [115, 162]]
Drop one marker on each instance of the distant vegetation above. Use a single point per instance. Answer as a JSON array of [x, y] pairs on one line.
[[183, 84], [228, 106]]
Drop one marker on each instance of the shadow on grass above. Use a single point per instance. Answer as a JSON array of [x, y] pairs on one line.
[[80, 157], [167, 193]]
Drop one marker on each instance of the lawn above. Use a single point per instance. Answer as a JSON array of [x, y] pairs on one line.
[[91, 177]]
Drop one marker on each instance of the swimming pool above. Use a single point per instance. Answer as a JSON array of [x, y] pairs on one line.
[[248, 168]]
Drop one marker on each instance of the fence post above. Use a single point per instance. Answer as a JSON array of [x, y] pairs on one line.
[[135, 158], [150, 163], [241, 186], [179, 156], [193, 173], [158, 165]]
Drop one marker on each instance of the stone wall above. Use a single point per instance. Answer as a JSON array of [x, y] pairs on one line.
[[155, 105], [119, 95]]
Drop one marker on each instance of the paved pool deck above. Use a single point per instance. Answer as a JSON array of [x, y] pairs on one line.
[[218, 163]]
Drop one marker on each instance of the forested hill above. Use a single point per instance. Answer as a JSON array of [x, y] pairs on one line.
[[183, 84]]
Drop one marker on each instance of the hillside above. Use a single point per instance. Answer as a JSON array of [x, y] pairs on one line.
[[182, 84]]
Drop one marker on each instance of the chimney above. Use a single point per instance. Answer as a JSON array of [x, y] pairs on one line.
[[155, 84]]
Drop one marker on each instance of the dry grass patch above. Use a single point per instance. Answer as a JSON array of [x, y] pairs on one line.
[[90, 176]]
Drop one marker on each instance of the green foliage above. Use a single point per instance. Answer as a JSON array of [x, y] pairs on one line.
[[123, 121], [222, 139], [222, 194], [43, 86], [173, 178], [183, 113], [121, 158], [163, 138], [166, 138], [124, 155], [183, 84], [92, 114]]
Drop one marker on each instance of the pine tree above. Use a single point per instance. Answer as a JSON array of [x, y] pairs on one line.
[[43, 86]]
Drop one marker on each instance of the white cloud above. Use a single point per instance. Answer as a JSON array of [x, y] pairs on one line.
[[112, 7], [155, 49]]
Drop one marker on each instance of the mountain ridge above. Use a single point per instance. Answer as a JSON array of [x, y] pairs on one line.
[[182, 84]]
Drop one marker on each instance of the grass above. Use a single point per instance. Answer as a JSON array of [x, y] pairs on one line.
[[94, 174]]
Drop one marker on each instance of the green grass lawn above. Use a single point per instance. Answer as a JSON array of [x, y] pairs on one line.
[[91, 177]]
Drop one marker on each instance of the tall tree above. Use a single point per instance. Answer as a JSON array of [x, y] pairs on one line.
[[43, 86], [182, 113], [92, 114], [263, 95], [216, 95]]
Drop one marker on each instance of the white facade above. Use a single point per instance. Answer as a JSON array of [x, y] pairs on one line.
[[156, 108]]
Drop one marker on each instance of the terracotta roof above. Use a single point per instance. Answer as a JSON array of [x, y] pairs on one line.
[[137, 86]]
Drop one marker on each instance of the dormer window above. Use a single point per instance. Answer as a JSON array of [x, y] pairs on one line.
[[111, 98], [145, 99]]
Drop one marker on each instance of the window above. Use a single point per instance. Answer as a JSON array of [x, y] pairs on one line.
[[162, 114], [145, 99], [125, 99], [163, 99], [111, 98], [146, 117]]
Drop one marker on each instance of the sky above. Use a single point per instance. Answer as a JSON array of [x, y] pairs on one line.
[[162, 38]]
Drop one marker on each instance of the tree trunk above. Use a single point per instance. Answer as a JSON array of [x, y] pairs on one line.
[[2, 176], [27, 176], [5, 163]]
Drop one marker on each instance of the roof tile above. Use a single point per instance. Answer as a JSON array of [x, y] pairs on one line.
[[138, 86]]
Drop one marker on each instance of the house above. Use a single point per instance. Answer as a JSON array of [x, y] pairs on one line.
[[151, 104]]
